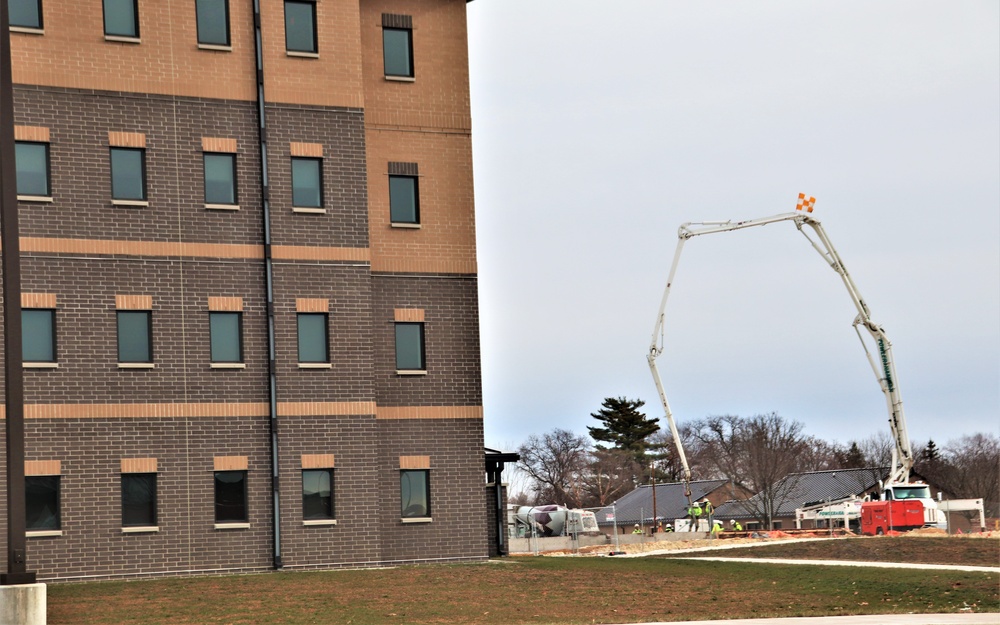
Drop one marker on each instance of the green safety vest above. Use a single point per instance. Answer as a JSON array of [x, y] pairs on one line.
[[695, 510]]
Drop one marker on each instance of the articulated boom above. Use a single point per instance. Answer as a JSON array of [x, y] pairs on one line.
[[884, 368]]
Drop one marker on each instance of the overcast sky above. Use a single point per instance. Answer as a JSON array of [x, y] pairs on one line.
[[599, 127]]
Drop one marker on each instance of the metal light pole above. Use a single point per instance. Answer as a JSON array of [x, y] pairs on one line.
[[17, 572]]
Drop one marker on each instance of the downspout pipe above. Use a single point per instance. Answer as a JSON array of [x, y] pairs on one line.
[[269, 286]]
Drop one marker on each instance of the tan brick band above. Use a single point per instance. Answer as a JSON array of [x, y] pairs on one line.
[[230, 463], [127, 139], [138, 465], [312, 305], [140, 248], [303, 252], [323, 409], [412, 265], [408, 314], [317, 461], [237, 410], [105, 247], [429, 412], [134, 302], [230, 304], [215, 144], [38, 300], [42, 467], [314, 150], [414, 462], [38, 134], [141, 411]]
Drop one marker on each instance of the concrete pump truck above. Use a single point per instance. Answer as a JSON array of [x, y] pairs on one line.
[[901, 504]]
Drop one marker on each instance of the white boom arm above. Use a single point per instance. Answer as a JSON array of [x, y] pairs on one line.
[[885, 371]]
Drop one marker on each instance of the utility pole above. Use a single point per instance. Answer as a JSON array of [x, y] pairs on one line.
[[17, 572]]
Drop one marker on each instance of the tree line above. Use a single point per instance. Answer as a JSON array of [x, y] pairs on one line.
[[627, 449]]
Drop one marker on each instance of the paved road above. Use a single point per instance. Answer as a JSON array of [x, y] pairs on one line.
[[882, 565], [880, 619]]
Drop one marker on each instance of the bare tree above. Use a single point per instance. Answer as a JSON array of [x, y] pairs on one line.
[[759, 455], [610, 474], [976, 462], [556, 461], [668, 461]]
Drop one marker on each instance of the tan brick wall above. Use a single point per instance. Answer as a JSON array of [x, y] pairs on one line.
[[73, 53], [427, 122], [333, 79], [31, 133], [38, 300], [408, 314], [446, 239], [138, 465], [231, 304], [439, 96]]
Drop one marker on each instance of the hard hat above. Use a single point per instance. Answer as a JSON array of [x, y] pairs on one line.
[[637, 525]]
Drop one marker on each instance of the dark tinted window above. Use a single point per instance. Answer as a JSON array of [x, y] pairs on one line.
[[41, 499], [415, 493], [410, 346], [313, 337], [397, 52], [403, 205], [121, 18], [307, 176], [213, 22], [38, 335], [317, 494], [135, 336], [32, 168], [226, 332], [300, 26], [220, 178], [139, 499], [25, 13], [231, 497], [128, 173]]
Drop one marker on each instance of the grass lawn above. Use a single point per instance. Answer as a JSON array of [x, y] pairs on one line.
[[535, 590]]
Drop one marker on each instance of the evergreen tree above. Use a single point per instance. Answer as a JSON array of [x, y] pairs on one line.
[[855, 458], [624, 426], [931, 454]]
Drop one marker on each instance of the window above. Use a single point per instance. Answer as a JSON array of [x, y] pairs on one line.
[[220, 178], [397, 51], [300, 26], [317, 494], [231, 497], [41, 499], [139, 500], [410, 347], [415, 493], [135, 336], [121, 18], [403, 205], [313, 344], [32, 168], [128, 174], [307, 188], [226, 330], [38, 335], [25, 13], [213, 22]]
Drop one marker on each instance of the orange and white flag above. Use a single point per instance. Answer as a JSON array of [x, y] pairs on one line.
[[805, 203]]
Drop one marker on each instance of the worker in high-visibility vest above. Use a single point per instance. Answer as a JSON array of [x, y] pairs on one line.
[[736, 525]]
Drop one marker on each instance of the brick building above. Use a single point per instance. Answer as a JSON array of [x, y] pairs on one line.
[[203, 183]]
